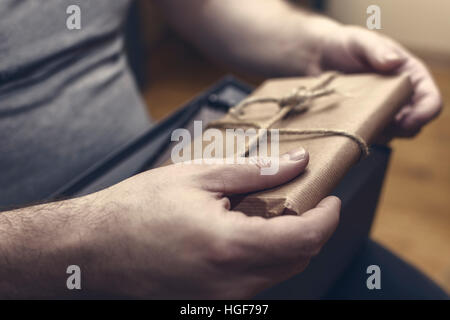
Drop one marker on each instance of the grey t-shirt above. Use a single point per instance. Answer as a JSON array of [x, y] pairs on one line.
[[67, 98]]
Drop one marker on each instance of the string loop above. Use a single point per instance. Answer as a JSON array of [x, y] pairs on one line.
[[298, 100]]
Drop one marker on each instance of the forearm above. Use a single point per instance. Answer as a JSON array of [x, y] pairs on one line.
[[38, 243], [270, 37]]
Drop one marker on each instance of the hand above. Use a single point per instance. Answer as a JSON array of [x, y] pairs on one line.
[[170, 233], [277, 39], [354, 49]]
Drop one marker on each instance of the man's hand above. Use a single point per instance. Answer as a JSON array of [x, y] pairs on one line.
[[354, 49], [181, 240], [276, 38], [165, 233]]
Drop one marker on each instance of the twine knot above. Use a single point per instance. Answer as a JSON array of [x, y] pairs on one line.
[[298, 100], [302, 96]]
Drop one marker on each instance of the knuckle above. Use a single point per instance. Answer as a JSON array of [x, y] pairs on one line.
[[260, 162], [356, 33], [213, 179]]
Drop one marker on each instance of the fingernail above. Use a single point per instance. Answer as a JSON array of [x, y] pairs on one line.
[[297, 154]]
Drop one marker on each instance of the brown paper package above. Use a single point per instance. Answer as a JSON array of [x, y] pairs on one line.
[[364, 104]]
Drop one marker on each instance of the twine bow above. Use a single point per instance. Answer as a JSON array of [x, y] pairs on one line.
[[298, 100]]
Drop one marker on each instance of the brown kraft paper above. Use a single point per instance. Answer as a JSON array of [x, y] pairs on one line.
[[363, 105]]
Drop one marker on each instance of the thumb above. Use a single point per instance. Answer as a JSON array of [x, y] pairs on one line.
[[378, 53], [249, 176], [385, 60]]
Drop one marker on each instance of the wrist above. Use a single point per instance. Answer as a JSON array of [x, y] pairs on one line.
[[104, 244], [319, 31], [39, 244], [305, 36]]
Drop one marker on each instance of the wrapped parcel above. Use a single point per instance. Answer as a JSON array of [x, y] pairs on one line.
[[334, 117]]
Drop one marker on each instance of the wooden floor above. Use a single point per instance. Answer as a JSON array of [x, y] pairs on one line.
[[413, 218]]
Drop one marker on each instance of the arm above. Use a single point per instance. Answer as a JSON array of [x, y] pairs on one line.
[[269, 37], [165, 233], [38, 243], [273, 38]]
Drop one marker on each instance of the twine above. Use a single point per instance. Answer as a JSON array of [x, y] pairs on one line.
[[299, 100]]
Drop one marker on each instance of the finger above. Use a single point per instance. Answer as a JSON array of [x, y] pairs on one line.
[[249, 176], [377, 52], [396, 130], [426, 102], [289, 239], [324, 218]]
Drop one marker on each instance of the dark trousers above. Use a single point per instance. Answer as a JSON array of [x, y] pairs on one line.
[[399, 280]]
